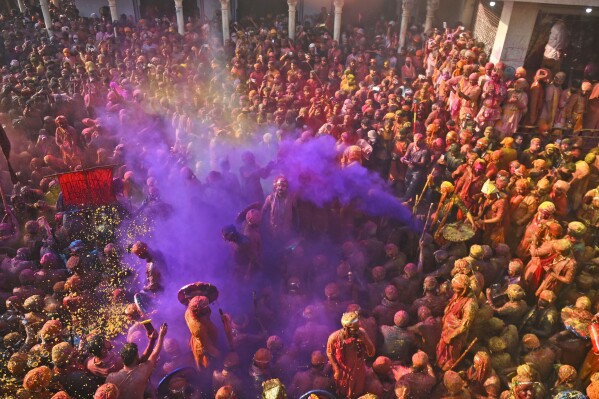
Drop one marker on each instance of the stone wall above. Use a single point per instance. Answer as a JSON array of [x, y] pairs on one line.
[[485, 24], [127, 7], [522, 23]]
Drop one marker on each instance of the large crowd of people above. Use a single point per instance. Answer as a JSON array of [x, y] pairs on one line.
[[416, 243]]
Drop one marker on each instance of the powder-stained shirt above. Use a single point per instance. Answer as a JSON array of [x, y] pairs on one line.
[[101, 368], [132, 383], [417, 155]]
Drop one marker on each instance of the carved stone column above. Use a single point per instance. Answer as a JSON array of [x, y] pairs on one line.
[[47, 18], [431, 7], [292, 13], [468, 13], [180, 19], [113, 13], [406, 11], [338, 11], [224, 8]]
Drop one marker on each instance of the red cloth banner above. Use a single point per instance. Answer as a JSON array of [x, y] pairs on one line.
[[92, 187]]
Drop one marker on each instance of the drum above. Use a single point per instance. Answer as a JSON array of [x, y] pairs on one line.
[[458, 232], [594, 334], [498, 294], [143, 302], [180, 383], [319, 393], [577, 321], [190, 291], [570, 395]]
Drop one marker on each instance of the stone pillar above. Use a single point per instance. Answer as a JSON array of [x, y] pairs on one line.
[[502, 30], [292, 12], [337, 27], [468, 13], [21, 5], [431, 7], [202, 13], [224, 8], [47, 18], [233, 10], [113, 14], [180, 19], [406, 11]]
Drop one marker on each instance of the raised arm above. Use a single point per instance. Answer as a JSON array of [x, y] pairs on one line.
[[150, 347], [156, 352]]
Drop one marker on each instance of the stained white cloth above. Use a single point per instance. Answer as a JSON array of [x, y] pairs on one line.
[[558, 41]]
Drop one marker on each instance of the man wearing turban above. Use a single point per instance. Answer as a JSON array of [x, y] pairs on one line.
[[543, 319], [591, 118], [155, 266], [481, 377], [38, 379], [69, 142], [457, 320], [492, 214], [577, 106], [420, 381], [536, 230], [536, 97], [347, 350], [514, 107], [563, 269], [553, 93], [204, 335], [107, 391], [280, 210], [449, 210], [540, 357]]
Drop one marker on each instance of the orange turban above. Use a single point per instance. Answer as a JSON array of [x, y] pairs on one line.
[[37, 379]]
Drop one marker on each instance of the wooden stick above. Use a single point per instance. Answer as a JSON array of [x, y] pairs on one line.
[[3, 200], [419, 197], [228, 329], [415, 116], [85, 170], [416, 201], [464, 354], [428, 215]]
